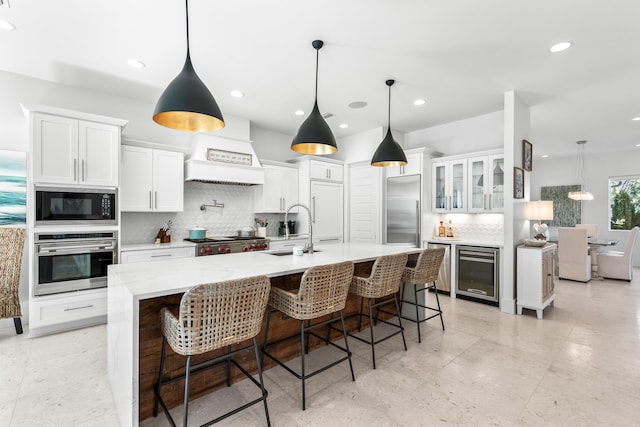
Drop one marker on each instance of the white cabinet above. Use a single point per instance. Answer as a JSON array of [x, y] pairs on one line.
[[326, 171], [321, 189], [76, 152], [413, 166], [280, 188], [535, 281], [449, 179], [327, 211], [67, 311], [152, 180], [486, 183], [156, 254]]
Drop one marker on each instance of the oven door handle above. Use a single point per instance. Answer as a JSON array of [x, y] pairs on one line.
[[76, 249], [487, 261]]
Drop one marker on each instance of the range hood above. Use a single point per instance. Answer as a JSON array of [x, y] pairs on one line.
[[221, 160]]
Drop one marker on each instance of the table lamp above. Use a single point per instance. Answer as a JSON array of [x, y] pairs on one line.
[[539, 210]]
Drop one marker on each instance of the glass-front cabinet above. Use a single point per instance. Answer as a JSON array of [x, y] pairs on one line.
[[449, 180], [486, 183]]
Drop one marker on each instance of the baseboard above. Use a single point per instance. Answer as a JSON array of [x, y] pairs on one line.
[[508, 305]]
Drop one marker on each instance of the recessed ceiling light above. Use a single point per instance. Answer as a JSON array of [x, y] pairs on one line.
[[344, 126], [299, 113], [357, 104], [544, 156], [6, 25], [237, 94], [635, 119], [559, 47], [637, 145], [419, 102], [135, 63]]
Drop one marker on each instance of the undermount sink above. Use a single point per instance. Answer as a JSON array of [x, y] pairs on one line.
[[285, 253]]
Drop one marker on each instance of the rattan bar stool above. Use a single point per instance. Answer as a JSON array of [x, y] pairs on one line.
[[380, 289], [213, 316], [422, 274], [323, 291], [11, 245]]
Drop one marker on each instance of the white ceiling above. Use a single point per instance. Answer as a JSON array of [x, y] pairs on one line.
[[460, 55]]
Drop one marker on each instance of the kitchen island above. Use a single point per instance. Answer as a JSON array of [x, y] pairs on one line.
[[136, 292]]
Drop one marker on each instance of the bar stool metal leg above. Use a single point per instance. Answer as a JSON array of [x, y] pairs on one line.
[[346, 344], [17, 322], [404, 341], [435, 291], [160, 373], [373, 347], [264, 391], [186, 392], [415, 295], [302, 352]]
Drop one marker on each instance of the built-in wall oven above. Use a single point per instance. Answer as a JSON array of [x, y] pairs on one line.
[[75, 206], [68, 262], [478, 272]]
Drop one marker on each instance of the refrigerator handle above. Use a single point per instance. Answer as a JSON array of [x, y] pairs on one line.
[[417, 223]]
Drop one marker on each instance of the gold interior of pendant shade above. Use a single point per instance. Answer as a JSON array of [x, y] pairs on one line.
[[188, 121], [389, 163], [313, 148]]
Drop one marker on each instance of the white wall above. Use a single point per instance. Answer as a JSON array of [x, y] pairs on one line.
[[361, 146], [272, 145], [462, 136], [561, 171]]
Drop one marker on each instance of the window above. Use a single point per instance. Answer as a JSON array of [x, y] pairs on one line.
[[624, 202]]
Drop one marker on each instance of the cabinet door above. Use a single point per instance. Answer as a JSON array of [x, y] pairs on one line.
[[326, 209], [290, 185], [55, 149], [457, 184], [414, 164], [98, 154], [496, 192], [326, 171], [477, 184], [136, 180], [439, 187], [168, 181], [270, 193]]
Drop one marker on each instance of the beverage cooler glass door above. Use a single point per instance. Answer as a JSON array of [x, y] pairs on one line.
[[478, 272]]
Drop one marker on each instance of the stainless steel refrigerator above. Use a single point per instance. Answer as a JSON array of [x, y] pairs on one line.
[[403, 210]]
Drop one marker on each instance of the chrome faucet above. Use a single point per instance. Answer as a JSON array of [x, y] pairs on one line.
[[309, 246]]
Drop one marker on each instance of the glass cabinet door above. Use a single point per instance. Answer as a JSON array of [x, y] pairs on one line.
[[458, 183], [497, 190], [439, 187], [477, 184]]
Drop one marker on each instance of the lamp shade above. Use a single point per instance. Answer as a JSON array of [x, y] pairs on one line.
[[389, 153], [187, 104], [314, 135], [539, 210]]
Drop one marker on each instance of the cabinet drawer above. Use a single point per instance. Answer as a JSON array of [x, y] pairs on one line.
[[284, 244], [68, 309], [156, 254]]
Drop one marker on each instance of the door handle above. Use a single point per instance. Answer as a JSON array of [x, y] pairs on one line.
[[75, 169], [78, 308], [156, 199], [313, 206], [489, 201], [150, 200], [82, 170]]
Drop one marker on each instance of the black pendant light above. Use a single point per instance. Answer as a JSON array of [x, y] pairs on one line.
[[389, 152], [314, 135], [187, 104]]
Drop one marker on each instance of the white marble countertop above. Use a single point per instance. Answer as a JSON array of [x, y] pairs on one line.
[[144, 280], [292, 237], [148, 246], [466, 241]]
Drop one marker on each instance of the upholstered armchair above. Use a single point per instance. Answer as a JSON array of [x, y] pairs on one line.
[[592, 230], [616, 264], [574, 261]]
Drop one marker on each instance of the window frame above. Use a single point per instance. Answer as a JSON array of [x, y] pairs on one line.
[[610, 199]]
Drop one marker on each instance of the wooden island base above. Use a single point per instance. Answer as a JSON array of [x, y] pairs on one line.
[[203, 383]]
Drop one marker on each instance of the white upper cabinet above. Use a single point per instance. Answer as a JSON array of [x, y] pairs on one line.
[[280, 188], [413, 166], [486, 183], [326, 171], [449, 179], [76, 152], [152, 180], [327, 211]]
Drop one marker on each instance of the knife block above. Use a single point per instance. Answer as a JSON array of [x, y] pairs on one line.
[[163, 236]]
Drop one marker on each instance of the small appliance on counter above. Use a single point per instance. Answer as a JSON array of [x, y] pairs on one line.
[[282, 229]]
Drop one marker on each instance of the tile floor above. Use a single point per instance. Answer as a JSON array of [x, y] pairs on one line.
[[580, 366]]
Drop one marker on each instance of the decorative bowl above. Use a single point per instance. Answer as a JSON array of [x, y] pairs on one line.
[[534, 242]]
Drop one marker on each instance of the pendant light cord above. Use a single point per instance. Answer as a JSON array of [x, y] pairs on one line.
[[389, 109], [187, 9], [317, 59]]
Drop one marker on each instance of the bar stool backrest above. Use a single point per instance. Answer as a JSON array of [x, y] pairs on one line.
[[427, 267], [386, 275], [215, 315], [323, 290], [11, 246]]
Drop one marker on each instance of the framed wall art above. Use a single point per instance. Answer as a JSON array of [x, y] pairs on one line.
[[527, 155], [518, 183], [13, 188]]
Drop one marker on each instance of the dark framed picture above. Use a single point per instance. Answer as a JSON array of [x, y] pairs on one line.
[[518, 183], [527, 155]]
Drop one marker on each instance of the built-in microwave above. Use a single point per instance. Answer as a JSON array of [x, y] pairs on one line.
[[65, 206]]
